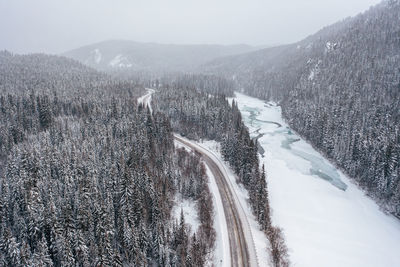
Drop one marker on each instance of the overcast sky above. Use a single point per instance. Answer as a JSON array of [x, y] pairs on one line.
[[54, 26]]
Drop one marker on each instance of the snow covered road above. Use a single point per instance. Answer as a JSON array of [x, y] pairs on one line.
[[242, 250]]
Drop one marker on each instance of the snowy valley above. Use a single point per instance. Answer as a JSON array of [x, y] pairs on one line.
[[326, 218], [159, 138]]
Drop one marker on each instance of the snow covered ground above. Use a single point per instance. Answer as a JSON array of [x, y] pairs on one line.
[[146, 99], [260, 241], [326, 219], [221, 252], [120, 61], [222, 256], [189, 210]]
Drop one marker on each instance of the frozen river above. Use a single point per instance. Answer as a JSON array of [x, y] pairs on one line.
[[326, 219], [318, 166]]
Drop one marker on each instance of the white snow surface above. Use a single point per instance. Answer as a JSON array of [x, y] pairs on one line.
[[311, 76], [221, 253], [120, 61], [323, 225], [146, 99], [222, 256], [260, 241], [189, 212], [314, 71], [330, 46], [97, 56]]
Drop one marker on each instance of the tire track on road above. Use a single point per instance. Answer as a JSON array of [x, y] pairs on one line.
[[240, 255]]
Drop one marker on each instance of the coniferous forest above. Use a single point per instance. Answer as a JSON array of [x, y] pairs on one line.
[[124, 153], [197, 115], [89, 178], [338, 88]]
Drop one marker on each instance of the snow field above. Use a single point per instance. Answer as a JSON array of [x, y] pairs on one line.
[[189, 212], [323, 225]]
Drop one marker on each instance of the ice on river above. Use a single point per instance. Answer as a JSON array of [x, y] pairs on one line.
[[327, 220]]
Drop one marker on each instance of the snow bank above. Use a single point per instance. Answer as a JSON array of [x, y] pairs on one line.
[[258, 237], [222, 256]]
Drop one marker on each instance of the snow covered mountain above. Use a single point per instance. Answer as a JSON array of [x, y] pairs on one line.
[[270, 71], [121, 54], [20, 74]]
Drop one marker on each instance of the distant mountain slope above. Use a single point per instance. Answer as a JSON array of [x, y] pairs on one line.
[[340, 89], [88, 177], [269, 72], [40, 72], [65, 77], [119, 54], [46, 64]]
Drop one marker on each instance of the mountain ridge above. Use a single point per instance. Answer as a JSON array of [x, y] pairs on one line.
[[132, 55]]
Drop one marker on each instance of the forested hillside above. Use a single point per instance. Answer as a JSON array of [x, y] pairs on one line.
[[340, 89], [198, 115], [89, 178], [211, 84], [20, 74]]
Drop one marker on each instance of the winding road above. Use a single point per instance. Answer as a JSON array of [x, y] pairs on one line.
[[240, 239], [242, 248]]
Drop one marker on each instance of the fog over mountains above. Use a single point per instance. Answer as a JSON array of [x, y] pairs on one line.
[[120, 54], [125, 153], [341, 83]]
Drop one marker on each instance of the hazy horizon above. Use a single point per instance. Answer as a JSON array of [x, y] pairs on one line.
[[54, 26]]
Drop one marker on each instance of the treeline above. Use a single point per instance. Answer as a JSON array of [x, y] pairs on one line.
[[194, 250], [340, 89], [27, 82], [89, 179], [20, 74], [86, 192], [199, 115], [211, 84], [348, 105]]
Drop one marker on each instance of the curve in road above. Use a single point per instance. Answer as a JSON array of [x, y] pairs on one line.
[[242, 250], [238, 228]]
